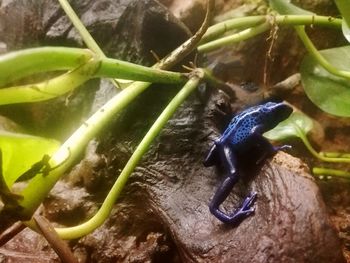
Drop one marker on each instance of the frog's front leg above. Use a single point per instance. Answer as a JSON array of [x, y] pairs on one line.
[[269, 150], [229, 162]]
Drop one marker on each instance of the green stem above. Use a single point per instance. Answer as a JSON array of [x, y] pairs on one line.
[[317, 55], [228, 40], [304, 139], [54, 87], [87, 38], [113, 68], [245, 22], [257, 24], [39, 186], [236, 23], [49, 89], [105, 210], [18, 64], [331, 172], [335, 154]]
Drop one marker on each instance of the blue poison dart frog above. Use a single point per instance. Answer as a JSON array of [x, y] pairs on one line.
[[242, 134]]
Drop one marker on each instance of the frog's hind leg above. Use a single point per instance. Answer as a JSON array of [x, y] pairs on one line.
[[229, 162]]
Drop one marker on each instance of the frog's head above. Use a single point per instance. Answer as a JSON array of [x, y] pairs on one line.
[[275, 112]]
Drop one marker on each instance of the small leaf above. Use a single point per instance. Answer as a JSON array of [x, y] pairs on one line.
[[329, 92], [287, 128], [346, 30], [21, 151], [344, 9], [285, 7]]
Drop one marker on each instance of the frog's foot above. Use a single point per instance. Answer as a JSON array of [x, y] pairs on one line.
[[241, 213], [282, 148], [246, 209], [272, 151]]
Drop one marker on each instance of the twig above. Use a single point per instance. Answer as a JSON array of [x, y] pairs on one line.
[[10, 232], [60, 246], [180, 53]]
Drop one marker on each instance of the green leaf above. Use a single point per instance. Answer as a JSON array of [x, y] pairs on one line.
[[284, 7], [21, 151], [344, 9], [327, 91], [346, 30], [291, 127]]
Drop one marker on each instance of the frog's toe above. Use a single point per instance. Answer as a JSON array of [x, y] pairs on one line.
[[249, 201], [242, 213], [282, 148]]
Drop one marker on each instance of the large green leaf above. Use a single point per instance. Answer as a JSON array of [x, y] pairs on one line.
[[327, 91], [291, 127], [21, 151], [285, 7]]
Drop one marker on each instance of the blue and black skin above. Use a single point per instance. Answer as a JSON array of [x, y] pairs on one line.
[[243, 134]]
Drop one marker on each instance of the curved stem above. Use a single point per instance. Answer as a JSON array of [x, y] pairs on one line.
[[303, 137], [19, 64], [317, 55], [39, 186], [49, 89], [35, 61], [104, 211]]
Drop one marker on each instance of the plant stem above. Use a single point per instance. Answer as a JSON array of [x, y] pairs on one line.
[[104, 211], [18, 64], [39, 186], [125, 70], [317, 55], [331, 172], [87, 38], [181, 52], [335, 154], [48, 89], [228, 40], [304, 139], [257, 24]]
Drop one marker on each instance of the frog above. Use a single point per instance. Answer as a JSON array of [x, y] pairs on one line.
[[243, 133]]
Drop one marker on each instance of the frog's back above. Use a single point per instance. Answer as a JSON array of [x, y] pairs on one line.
[[240, 127]]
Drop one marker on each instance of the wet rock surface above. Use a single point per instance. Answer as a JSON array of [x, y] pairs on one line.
[[163, 215]]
